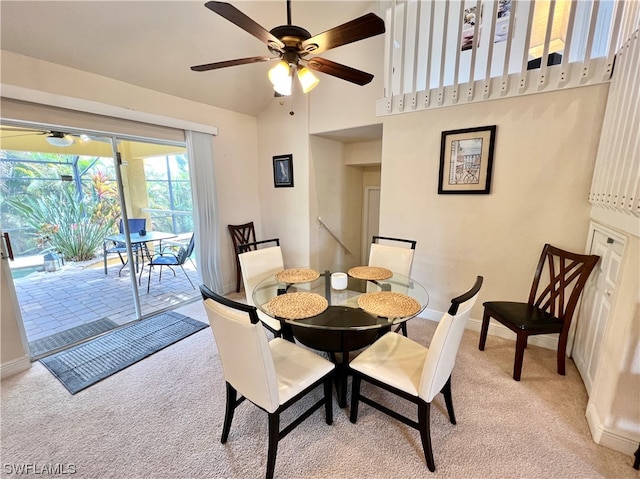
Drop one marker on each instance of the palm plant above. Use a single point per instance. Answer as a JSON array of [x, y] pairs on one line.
[[74, 228]]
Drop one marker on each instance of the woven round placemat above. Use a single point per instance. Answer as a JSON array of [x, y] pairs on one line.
[[297, 305], [370, 272], [388, 304], [297, 275]]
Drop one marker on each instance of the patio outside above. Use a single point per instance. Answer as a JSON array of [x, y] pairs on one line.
[[80, 293], [62, 194]]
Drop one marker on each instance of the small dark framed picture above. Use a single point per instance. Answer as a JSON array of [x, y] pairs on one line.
[[466, 161], [283, 171]]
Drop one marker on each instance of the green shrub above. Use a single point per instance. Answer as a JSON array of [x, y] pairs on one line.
[[75, 229]]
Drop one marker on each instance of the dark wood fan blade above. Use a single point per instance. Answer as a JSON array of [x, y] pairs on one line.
[[338, 70], [238, 18], [366, 26], [230, 63]]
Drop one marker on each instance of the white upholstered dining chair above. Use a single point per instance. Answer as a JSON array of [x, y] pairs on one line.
[[256, 263], [273, 375], [414, 372], [395, 254]]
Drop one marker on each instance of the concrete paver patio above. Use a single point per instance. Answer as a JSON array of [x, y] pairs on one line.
[[79, 293]]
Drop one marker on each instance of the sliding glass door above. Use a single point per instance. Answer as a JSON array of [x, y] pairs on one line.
[[64, 198]]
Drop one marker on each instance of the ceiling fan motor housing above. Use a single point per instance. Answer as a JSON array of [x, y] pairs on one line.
[[292, 36]]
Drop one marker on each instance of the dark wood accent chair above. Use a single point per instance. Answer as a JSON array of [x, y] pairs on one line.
[[273, 375], [551, 304], [241, 234], [413, 372]]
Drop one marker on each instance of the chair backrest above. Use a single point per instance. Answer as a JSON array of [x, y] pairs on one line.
[[445, 343], [256, 265], [567, 275], [241, 234], [395, 258], [135, 225], [243, 248], [244, 350], [184, 253]]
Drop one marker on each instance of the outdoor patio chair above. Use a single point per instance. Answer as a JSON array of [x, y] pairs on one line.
[[111, 247], [170, 257]]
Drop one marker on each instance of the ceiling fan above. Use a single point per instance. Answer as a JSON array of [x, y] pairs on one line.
[[53, 137], [292, 45]]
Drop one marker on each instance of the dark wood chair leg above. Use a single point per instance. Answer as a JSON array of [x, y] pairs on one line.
[[425, 432], [521, 344], [484, 329], [355, 398], [562, 347], [232, 395], [238, 275], [274, 435], [328, 399], [448, 400], [636, 463]]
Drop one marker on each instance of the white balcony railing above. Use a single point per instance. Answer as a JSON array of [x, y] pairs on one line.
[[441, 53]]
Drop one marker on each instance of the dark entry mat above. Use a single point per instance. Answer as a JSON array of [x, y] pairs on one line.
[[84, 365], [70, 336]]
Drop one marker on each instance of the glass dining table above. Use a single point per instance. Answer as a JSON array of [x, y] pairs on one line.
[[338, 310]]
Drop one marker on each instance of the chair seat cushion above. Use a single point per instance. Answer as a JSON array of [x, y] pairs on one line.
[[165, 261], [524, 317], [395, 360], [296, 368]]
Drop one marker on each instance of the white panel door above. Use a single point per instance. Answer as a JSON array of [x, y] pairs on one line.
[[596, 304]]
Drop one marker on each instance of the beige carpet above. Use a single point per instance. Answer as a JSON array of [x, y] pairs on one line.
[[162, 418]]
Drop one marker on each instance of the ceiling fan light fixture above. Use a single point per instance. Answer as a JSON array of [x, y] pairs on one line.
[[307, 79], [284, 87], [59, 139], [280, 78], [279, 73]]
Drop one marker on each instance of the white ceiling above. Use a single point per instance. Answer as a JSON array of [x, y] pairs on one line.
[[152, 44]]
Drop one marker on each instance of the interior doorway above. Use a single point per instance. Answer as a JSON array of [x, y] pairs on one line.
[[370, 219], [64, 194]]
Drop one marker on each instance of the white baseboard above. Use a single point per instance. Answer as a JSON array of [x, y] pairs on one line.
[[609, 438], [15, 366]]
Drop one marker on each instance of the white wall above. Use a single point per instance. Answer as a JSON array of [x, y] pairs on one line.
[[285, 212], [544, 155], [336, 192], [337, 104], [13, 349]]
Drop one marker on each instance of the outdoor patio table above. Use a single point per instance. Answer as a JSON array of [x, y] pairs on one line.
[[136, 238]]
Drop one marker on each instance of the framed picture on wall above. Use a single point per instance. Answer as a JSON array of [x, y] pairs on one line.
[[466, 160], [283, 171]]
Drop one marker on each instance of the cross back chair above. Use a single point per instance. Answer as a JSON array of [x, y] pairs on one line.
[[170, 257], [550, 306], [273, 375], [395, 258], [241, 234], [414, 372], [256, 263]]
